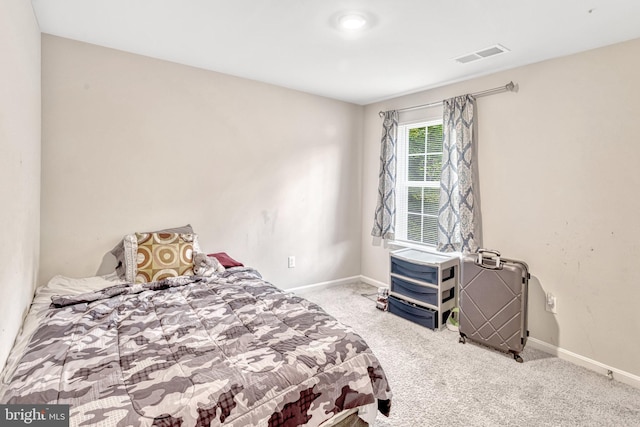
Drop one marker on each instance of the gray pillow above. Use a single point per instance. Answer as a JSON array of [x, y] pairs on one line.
[[118, 250]]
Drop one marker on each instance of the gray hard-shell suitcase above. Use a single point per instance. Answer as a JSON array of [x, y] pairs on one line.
[[493, 301]]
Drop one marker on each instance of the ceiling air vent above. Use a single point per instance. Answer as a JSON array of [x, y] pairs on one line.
[[481, 54]]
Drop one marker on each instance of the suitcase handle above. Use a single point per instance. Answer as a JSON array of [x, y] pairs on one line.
[[493, 256]]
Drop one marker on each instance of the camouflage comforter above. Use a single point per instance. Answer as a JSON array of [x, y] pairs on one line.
[[231, 350]]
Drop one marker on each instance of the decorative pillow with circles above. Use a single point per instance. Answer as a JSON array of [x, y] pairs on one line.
[[119, 253], [150, 257]]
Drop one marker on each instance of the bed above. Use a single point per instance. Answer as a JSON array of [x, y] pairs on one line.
[[230, 349]]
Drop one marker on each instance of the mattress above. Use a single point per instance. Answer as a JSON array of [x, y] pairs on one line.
[[231, 350]]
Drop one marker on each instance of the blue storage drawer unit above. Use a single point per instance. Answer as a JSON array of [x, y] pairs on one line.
[[427, 273], [423, 286], [419, 292], [421, 316]]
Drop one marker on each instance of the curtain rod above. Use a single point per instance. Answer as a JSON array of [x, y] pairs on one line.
[[509, 87]]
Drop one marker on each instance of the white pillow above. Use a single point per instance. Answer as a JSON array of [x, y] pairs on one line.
[[62, 285]]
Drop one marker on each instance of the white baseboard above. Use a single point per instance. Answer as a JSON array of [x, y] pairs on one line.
[[344, 281], [601, 368], [373, 282], [577, 359]]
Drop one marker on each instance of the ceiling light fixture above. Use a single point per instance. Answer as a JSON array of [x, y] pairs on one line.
[[352, 21]]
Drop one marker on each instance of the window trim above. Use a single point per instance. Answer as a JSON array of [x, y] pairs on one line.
[[402, 184]]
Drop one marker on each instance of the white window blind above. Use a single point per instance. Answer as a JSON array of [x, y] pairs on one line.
[[418, 182]]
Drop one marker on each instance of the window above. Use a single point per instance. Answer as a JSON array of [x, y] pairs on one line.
[[418, 182]]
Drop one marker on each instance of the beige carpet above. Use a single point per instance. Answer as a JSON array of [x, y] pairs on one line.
[[437, 381]]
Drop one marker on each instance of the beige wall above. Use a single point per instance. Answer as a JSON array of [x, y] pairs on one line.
[[559, 177], [132, 143], [264, 172], [19, 164]]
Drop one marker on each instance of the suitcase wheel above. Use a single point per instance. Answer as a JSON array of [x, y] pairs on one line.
[[517, 358], [462, 339]]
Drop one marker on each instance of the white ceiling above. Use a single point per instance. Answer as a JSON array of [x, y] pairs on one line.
[[409, 46]]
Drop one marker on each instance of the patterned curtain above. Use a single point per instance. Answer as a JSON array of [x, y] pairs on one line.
[[458, 227], [385, 216]]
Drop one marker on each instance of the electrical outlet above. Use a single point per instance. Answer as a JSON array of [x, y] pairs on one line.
[[291, 262], [551, 304]]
